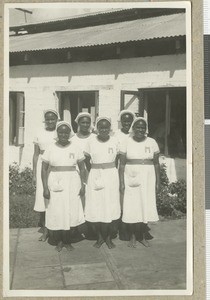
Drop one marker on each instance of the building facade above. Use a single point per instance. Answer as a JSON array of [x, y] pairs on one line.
[[128, 63]]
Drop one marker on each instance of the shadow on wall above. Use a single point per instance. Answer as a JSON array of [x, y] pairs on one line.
[[169, 63]]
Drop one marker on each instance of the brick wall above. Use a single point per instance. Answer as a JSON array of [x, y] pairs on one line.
[[39, 82]]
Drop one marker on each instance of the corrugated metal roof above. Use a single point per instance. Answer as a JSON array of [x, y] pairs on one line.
[[90, 14], [137, 30]]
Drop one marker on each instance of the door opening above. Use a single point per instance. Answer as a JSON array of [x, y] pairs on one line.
[[73, 102]]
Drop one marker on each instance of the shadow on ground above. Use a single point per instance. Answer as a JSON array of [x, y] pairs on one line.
[[37, 266]]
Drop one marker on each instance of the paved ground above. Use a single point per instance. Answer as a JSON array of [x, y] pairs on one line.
[[36, 265]]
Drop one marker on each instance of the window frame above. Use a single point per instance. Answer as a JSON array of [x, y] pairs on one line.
[[17, 98], [61, 102]]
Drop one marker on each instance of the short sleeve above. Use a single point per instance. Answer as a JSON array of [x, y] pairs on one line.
[[155, 147], [36, 140], [118, 146], [116, 143], [87, 147], [80, 154], [123, 147], [46, 155]]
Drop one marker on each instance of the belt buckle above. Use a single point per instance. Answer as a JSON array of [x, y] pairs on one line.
[[143, 162]]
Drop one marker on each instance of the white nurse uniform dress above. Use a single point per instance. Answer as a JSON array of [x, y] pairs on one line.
[[102, 193], [43, 139], [140, 180]]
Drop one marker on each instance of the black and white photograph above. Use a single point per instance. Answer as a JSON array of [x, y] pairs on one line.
[[97, 149]]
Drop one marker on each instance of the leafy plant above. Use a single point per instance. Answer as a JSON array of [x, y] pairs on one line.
[[20, 181], [178, 190], [163, 175], [21, 213], [171, 200]]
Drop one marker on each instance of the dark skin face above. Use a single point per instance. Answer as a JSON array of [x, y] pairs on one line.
[[84, 124], [103, 127], [139, 130], [63, 135], [126, 121], [50, 120]]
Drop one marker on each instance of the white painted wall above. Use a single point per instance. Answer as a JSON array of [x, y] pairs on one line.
[[39, 82]]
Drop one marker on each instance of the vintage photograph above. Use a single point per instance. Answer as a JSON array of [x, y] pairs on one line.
[[97, 144]]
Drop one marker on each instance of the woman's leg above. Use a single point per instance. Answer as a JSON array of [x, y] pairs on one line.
[[107, 231], [132, 241], [41, 219], [57, 235], [66, 239], [97, 229], [44, 236], [144, 242]]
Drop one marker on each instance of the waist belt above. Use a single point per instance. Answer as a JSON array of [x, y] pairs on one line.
[[104, 166], [140, 162], [41, 152], [62, 168]]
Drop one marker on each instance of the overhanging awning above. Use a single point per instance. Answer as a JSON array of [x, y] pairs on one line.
[[128, 31]]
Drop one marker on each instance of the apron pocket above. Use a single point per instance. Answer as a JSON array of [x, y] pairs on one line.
[[134, 181], [56, 185], [98, 184]]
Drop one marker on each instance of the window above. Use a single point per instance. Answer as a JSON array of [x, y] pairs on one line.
[[71, 103], [16, 118], [165, 110]]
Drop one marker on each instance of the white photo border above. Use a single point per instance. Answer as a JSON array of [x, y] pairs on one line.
[[7, 292]]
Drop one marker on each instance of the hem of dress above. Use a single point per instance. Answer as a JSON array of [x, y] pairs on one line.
[[72, 226], [36, 210], [140, 221], [100, 221]]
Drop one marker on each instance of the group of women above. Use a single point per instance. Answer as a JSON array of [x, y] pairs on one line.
[[95, 183]]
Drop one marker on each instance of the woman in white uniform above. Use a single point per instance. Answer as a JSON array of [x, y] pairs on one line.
[[139, 181], [84, 134], [81, 137], [102, 206], [84, 129], [125, 119], [64, 187], [41, 142]]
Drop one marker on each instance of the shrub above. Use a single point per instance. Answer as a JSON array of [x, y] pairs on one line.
[[20, 181], [171, 200], [178, 190], [21, 213], [163, 175]]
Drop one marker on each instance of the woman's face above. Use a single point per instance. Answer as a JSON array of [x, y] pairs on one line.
[[84, 124], [103, 127], [126, 121], [139, 129], [63, 133], [50, 120]]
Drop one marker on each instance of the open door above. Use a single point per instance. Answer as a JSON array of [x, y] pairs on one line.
[[73, 102], [165, 111]]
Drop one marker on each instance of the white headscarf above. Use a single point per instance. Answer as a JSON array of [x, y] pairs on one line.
[[51, 111], [59, 124], [136, 120], [124, 112], [81, 115], [102, 118]]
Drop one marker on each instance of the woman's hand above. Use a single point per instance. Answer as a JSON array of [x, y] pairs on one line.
[[82, 190], [46, 193]]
